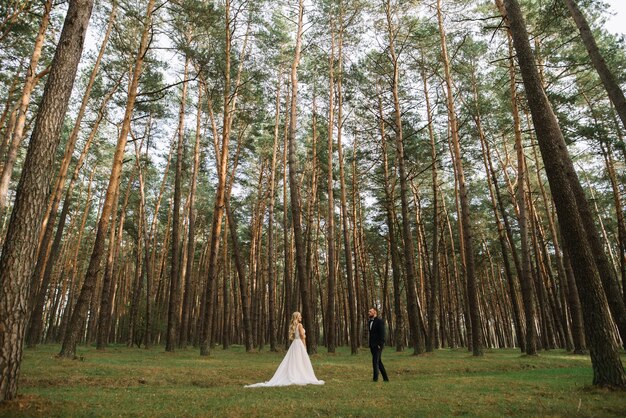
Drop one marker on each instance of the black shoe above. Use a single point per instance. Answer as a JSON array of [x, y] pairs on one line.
[[385, 380], [374, 380]]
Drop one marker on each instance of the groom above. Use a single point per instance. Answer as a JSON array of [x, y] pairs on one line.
[[377, 341]]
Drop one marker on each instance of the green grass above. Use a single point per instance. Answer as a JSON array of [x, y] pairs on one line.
[[136, 382]]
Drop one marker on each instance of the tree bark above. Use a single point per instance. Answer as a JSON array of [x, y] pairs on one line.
[[229, 104], [396, 267], [44, 256], [186, 311], [294, 188], [608, 79], [49, 259], [330, 217], [350, 267], [68, 348], [29, 85], [415, 325], [173, 319], [20, 246], [472, 292], [432, 341], [607, 366], [271, 277], [528, 290]]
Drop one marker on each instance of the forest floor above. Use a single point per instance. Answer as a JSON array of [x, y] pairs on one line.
[[125, 381]]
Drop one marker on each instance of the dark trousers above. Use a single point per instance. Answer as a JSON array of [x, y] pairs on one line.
[[377, 363]]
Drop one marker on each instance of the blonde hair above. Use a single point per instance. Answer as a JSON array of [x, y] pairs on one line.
[[293, 326]]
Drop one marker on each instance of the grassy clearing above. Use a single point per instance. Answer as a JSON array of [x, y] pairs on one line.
[[137, 382]]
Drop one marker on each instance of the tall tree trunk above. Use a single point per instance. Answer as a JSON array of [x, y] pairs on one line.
[[136, 285], [290, 303], [146, 268], [409, 264], [608, 79], [74, 260], [29, 85], [10, 110], [229, 103], [49, 259], [296, 210], [330, 217], [578, 340], [607, 366], [578, 326], [186, 312], [68, 348], [350, 271], [619, 213], [432, 341], [243, 288], [20, 246], [271, 277], [104, 320], [151, 254], [311, 207], [44, 256], [528, 291], [173, 319], [494, 193], [472, 292], [396, 268]]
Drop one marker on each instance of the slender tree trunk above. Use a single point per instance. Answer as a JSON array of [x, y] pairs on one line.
[[271, 277], [173, 319], [296, 210], [413, 309], [20, 246], [619, 213], [220, 194], [578, 326], [10, 110], [136, 286], [565, 283], [29, 85], [50, 216], [608, 79], [396, 269], [350, 271], [186, 312], [432, 341], [472, 293], [74, 260], [110, 279], [71, 338], [528, 291], [243, 288], [492, 182], [330, 217], [290, 304], [311, 209], [104, 321], [36, 324]]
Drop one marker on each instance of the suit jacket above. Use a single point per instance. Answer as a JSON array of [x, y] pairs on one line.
[[377, 332]]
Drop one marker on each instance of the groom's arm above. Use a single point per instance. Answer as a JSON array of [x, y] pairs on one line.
[[381, 333]]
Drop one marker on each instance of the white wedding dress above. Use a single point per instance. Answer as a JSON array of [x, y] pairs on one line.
[[295, 369]]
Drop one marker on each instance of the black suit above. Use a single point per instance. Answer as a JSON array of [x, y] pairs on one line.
[[377, 342]]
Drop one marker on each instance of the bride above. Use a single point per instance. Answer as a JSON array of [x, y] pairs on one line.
[[296, 368]]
